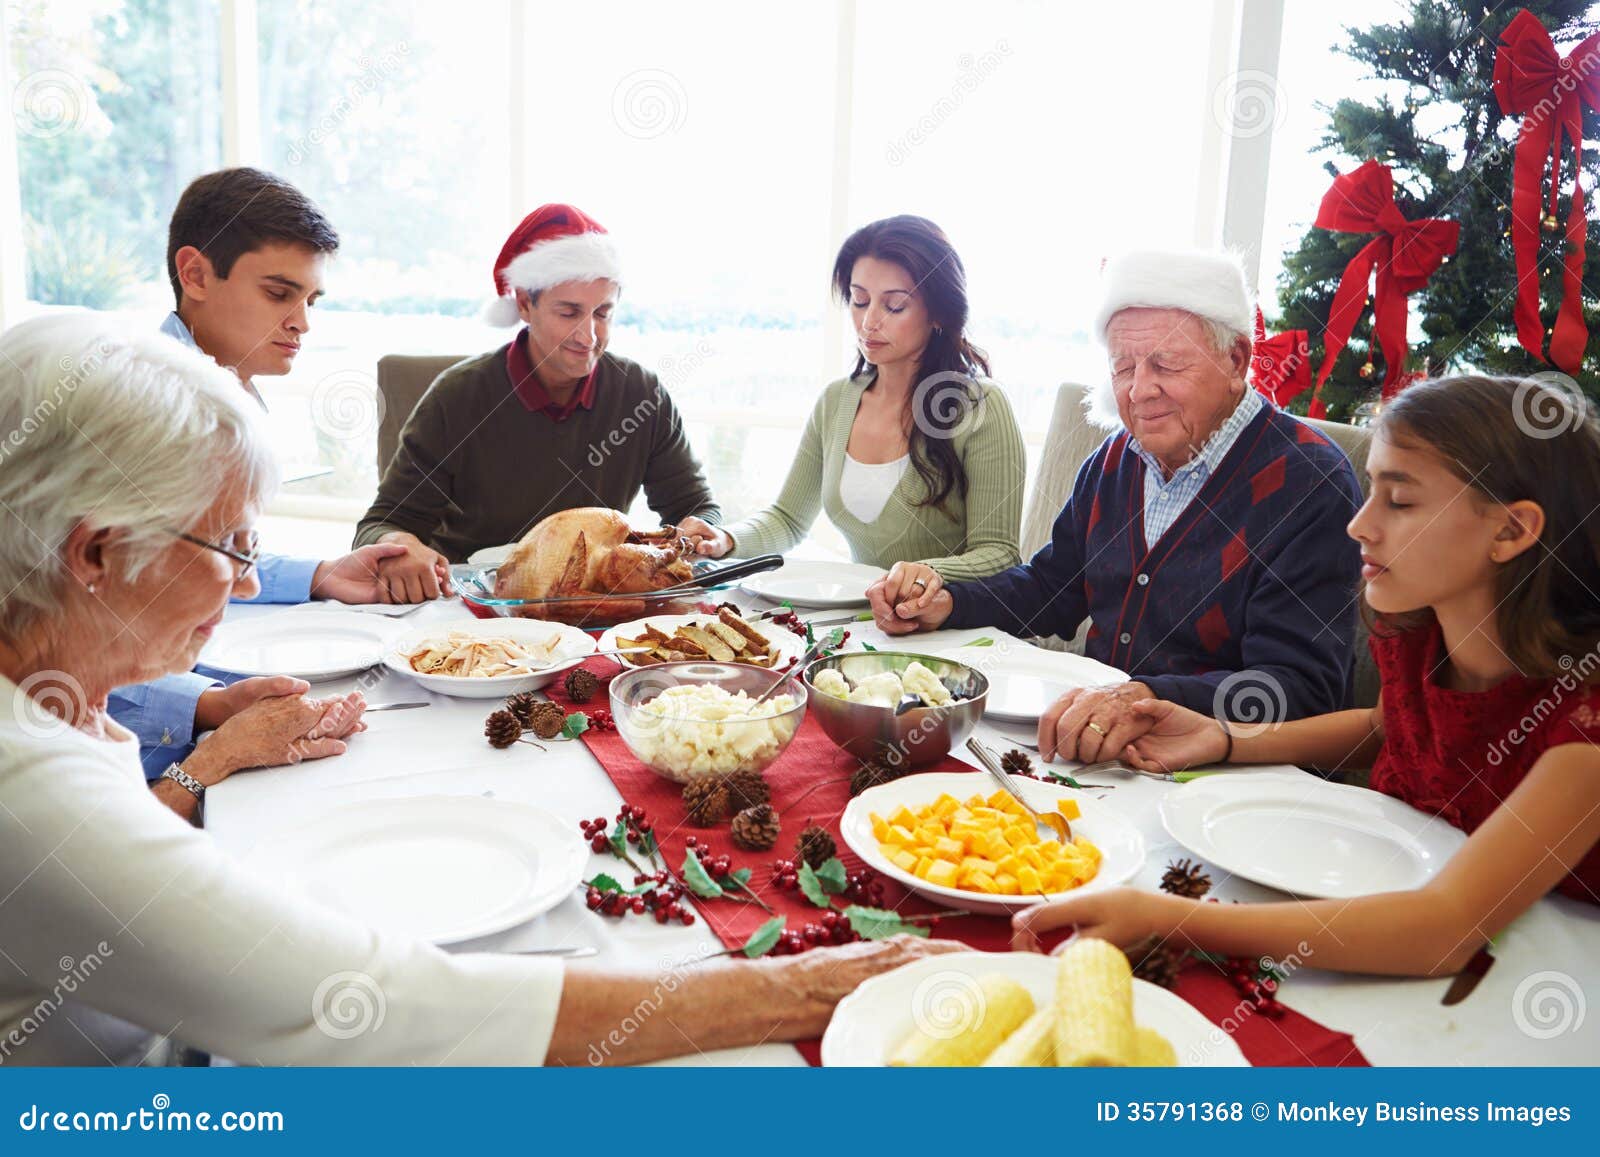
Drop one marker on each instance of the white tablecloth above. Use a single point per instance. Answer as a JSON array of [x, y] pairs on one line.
[[1545, 964]]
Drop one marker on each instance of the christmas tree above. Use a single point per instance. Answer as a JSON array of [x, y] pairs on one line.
[[1450, 148]]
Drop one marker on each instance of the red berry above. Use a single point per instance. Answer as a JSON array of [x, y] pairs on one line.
[[686, 917], [598, 843]]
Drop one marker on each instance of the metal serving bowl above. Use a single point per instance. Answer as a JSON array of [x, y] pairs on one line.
[[922, 735]]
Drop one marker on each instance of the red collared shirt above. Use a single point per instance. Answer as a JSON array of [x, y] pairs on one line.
[[532, 394]]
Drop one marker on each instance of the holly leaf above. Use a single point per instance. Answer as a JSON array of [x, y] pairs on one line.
[[832, 876], [605, 883], [879, 923], [647, 843], [764, 937], [868, 647], [574, 725], [698, 879], [619, 840], [739, 877], [812, 887], [1063, 777]]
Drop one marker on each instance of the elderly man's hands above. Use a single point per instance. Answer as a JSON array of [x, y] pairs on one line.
[[1093, 723], [356, 577], [911, 597], [823, 978]]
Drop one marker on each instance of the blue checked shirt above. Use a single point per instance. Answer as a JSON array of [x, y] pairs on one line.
[[161, 712], [1166, 498]]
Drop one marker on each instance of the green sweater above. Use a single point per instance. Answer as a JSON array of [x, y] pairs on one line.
[[970, 538], [475, 467]]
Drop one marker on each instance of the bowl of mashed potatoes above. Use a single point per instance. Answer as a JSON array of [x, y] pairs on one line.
[[683, 720], [917, 708]]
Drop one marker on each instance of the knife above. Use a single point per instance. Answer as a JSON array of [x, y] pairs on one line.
[[1467, 979], [371, 707]]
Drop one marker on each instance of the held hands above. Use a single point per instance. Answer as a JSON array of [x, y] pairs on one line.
[[413, 574], [355, 577], [220, 704], [911, 597], [1177, 738], [709, 541], [285, 729], [1093, 723]]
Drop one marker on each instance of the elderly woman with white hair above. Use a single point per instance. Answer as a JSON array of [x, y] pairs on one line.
[[130, 476], [1204, 540]]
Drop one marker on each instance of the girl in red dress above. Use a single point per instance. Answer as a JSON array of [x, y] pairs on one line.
[[1481, 559]]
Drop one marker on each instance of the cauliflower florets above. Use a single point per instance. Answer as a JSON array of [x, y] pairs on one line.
[[830, 682], [880, 690], [920, 681]]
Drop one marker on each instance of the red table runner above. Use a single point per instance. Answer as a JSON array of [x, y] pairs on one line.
[[811, 758]]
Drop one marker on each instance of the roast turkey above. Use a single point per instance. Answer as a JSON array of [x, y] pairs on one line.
[[592, 551]]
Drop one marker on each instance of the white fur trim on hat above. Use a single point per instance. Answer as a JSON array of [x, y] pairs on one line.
[[1209, 283], [580, 257]]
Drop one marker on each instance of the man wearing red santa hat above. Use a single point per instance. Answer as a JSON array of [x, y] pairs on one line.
[[547, 422]]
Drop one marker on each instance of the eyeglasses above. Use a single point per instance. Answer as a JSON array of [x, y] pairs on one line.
[[243, 551]]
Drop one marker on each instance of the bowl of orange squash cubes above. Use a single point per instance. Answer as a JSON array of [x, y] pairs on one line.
[[956, 839]]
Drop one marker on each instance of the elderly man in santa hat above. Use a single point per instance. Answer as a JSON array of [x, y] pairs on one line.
[[1204, 540], [547, 422]]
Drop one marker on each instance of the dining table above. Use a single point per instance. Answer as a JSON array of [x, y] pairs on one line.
[[1550, 954]]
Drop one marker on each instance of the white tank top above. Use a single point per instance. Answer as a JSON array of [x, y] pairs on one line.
[[864, 488]]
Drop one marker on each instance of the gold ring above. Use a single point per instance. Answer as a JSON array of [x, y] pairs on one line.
[[919, 582], [1096, 728]]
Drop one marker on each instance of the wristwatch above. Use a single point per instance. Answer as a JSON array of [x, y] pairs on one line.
[[186, 781]]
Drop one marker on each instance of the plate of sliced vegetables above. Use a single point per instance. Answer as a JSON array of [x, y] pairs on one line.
[[946, 837], [1079, 1008]]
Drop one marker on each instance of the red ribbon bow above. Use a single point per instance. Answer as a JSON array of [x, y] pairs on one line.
[[1549, 93], [1405, 254], [1280, 365]]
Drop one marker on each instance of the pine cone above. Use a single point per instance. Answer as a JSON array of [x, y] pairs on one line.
[[876, 772], [1017, 762], [1186, 878], [521, 705], [747, 789], [707, 801], [815, 846], [1153, 961], [502, 729], [580, 685], [545, 719], [756, 828]]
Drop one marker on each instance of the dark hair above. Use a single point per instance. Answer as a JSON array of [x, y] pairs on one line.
[[231, 212], [1515, 440], [920, 247]]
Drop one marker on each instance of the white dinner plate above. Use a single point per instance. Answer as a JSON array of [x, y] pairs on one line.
[[788, 644], [815, 583], [442, 868], [574, 646], [1024, 679], [1120, 844], [1304, 835], [489, 557], [879, 1014], [309, 645]]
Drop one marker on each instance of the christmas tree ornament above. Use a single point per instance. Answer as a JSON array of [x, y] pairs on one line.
[[1550, 93], [1395, 264], [1280, 364], [1367, 369]]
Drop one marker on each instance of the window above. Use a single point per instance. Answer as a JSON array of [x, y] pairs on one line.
[[114, 113]]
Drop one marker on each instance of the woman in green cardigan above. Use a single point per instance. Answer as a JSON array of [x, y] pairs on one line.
[[916, 457]]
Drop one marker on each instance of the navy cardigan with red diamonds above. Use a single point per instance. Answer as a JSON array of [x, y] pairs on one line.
[[1257, 576]]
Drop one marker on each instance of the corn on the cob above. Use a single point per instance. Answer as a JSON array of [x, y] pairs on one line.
[[990, 1012], [1094, 1006], [1155, 1051], [1032, 1046]]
